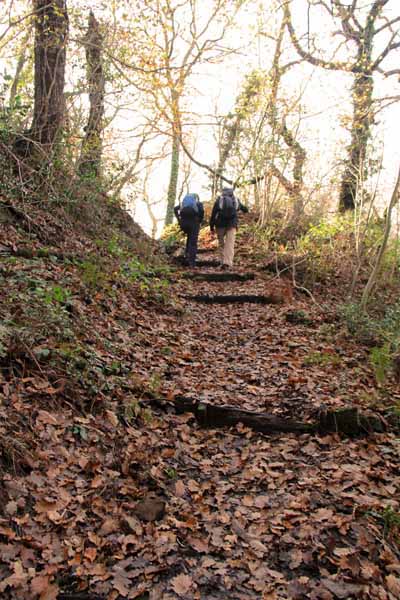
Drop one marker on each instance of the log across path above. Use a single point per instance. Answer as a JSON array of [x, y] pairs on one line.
[[236, 298], [220, 277], [347, 421]]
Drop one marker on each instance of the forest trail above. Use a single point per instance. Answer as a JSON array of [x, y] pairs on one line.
[[283, 516], [137, 502]]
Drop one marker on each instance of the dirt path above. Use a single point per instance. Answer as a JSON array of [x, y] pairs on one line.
[[285, 516]]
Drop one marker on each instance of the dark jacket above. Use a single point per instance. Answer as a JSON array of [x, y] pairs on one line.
[[197, 220], [216, 216]]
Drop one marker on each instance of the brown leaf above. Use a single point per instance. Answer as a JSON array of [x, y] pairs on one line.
[[40, 583], [269, 596], [97, 482], [121, 582], [51, 593], [393, 584], [18, 578], [341, 589], [90, 553], [198, 544], [193, 486], [46, 418], [182, 584], [109, 525], [262, 501], [323, 514], [343, 551], [112, 418], [11, 508], [133, 524], [180, 488]]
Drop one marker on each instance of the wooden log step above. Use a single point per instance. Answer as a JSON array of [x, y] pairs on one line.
[[347, 421], [227, 276], [180, 260], [208, 263], [237, 299], [205, 250], [209, 415]]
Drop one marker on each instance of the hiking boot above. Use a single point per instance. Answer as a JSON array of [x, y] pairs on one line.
[[225, 267]]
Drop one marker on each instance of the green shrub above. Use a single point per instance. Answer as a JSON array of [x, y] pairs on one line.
[[172, 235], [92, 274], [381, 332]]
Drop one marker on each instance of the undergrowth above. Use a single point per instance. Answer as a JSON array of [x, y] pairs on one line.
[[64, 309], [380, 331]]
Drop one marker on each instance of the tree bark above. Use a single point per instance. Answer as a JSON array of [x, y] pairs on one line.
[[173, 179], [355, 168], [90, 160], [51, 32]]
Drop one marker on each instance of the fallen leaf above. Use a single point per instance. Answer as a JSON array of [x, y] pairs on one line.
[[121, 582], [180, 488], [198, 544], [40, 583], [393, 584], [341, 589], [181, 584], [51, 593]]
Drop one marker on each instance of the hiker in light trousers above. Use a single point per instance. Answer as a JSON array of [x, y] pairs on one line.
[[224, 218]]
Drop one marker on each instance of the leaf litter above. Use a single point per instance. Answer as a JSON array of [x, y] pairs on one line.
[[127, 502]]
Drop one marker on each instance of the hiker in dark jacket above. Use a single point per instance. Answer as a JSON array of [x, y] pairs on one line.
[[224, 218], [190, 215]]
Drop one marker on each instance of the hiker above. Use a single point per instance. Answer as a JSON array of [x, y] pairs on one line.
[[190, 215], [224, 218]]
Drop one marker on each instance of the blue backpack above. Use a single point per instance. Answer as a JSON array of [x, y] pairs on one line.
[[190, 205]]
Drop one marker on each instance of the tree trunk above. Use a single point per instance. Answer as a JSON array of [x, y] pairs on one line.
[[355, 171], [90, 160], [51, 31], [173, 180]]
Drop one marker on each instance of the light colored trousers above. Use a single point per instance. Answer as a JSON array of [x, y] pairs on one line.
[[226, 240]]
